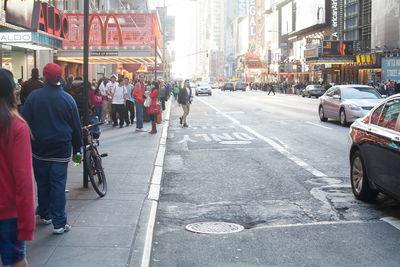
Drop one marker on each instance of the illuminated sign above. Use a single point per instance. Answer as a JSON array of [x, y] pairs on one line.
[[110, 30], [35, 15], [335, 14], [337, 48], [366, 59], [252, 25]]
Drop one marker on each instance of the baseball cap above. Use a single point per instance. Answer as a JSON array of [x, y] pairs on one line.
[[52, 72], [7, 82], [115, 76]]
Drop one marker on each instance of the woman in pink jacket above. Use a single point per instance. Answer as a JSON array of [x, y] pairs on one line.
[[17, 212]]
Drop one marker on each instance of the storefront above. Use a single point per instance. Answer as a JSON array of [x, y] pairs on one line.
[[123, 42], [32, 41]]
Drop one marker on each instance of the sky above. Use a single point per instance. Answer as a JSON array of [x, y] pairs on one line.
[[185, 38]]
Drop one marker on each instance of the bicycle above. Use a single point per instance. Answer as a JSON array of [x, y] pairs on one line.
[[92, 160]]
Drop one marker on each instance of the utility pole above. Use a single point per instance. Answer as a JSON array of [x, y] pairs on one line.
[[85, 77]]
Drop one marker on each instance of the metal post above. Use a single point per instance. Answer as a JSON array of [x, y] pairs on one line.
[[155, 58], [85, 77]]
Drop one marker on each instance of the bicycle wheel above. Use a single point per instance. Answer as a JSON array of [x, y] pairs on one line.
[[95, 172]]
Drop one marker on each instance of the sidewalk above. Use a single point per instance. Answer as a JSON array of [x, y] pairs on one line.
[[105, 230]]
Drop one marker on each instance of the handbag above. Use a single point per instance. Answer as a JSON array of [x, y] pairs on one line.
[[147, 102], [154, 110]]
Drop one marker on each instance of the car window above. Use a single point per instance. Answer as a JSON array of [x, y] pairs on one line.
[[330, 91], [337, 92], [377, 113], [390, 114], [360, 93]]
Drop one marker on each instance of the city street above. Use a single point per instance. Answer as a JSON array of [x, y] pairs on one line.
[[268, 164]]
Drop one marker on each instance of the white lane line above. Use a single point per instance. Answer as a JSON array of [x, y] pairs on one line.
[[392, 221], [309, 224], [318, 125], [149, 235], [154, 190], [272, 143], [281, 142]]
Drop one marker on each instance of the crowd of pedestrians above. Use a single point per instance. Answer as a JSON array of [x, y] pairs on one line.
[[40, 132]]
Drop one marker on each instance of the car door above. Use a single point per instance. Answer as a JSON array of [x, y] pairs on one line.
[[384, 148], [327, 102], [336, 101]]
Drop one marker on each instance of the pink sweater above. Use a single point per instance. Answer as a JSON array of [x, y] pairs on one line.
[[16, 179]]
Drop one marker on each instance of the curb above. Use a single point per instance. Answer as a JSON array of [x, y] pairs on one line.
[[142, 247]]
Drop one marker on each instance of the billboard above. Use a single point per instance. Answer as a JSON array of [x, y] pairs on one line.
[[337, 48], [391, 68], [115, 30], [242, 8], [316, 13], [385, 24], [170, 28]]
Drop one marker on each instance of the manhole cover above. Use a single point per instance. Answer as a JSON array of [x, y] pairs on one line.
[[214, 228]]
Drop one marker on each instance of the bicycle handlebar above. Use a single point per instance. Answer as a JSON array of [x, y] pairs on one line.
[[88, 127]]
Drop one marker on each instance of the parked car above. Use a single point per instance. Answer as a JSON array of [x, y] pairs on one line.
[[203, 88], [313, 90], [375, 151], [228, 86], [347, 103], [240, 86]]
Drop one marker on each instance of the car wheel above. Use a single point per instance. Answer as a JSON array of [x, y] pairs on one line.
[[359, 179], [343, 120], [322, 114], [309, 96], [303, 95], [197, 94]]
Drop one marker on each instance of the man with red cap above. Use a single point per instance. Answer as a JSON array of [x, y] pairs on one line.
[[53, 117]]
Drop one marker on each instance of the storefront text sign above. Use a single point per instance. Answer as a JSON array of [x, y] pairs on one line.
[[391, 68], [15, 37], [252, 25]]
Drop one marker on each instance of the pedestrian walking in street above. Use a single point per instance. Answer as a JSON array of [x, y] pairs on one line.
[[271, 89], [118, 103], [154, 109], [139, 95], [185, 100], [104, 107], [109, 89], [53, 117], [17, 208], [30, 85], [130, 103], [79, 97], [98, 103]]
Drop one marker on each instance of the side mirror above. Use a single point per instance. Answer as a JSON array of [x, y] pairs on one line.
[[337, 97]]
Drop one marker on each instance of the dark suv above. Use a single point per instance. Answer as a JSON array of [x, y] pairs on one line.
[[240, 86], [228, 86], [375, 151]]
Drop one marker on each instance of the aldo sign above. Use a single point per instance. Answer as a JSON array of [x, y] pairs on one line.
[[35, 15]]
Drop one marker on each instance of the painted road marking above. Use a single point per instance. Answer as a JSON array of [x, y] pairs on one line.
[[309, 224], [272, 143], [222, 138], [235, 142], [318, 125], [392, 221], [281, 142]]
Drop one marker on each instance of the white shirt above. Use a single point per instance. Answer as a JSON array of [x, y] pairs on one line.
[[103, 89], [110, 87], [119, 94]]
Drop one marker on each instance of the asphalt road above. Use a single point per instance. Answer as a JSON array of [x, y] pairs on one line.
[[268, 164]]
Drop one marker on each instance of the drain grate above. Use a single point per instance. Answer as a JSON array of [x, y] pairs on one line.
[[214, 228]]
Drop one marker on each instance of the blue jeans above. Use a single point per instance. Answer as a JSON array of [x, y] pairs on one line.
[[51, 179], [98, 111], [139, 115]]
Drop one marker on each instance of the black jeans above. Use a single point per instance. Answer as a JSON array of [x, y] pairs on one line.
[[163, 99], [130, 108], [120, 108]]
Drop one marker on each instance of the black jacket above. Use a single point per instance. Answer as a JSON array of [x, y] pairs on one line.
[[183, 96]]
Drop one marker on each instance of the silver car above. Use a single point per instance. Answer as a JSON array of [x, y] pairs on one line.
[[203, 88], [347, 103]]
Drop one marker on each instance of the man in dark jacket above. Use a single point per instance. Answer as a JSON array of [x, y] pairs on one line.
[[53, 118], [185, 99], [30, 85]]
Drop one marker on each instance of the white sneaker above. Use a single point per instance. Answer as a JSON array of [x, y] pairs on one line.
[[61, 230], [140, 130]]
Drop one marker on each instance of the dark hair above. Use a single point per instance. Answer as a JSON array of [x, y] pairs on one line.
[[35, 73], [78, 78], [8, 108], [96, 91], [156, 85]]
